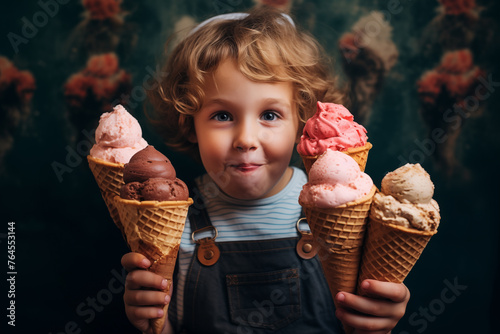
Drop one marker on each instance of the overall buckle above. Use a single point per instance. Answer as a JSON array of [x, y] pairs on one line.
[[208, 253], [307, 248]]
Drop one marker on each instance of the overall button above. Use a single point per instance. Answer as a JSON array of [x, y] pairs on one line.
[[307, 248], [209, 254]]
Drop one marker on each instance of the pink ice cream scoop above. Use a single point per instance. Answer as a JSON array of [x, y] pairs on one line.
[[334, 179], [118, 136], [332, 127]]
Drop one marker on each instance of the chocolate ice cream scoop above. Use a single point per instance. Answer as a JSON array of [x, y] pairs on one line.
[[157, 189], [148, 163], [149, 176], [132, 191]]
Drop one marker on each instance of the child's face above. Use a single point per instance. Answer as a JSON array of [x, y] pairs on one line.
[[246, 133]]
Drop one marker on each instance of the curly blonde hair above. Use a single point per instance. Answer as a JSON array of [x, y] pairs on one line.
[[266, 47]]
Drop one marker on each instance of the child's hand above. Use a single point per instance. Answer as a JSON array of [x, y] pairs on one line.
[[377, 311], [142, 303]]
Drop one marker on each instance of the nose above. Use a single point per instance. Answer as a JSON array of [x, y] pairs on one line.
[[246, 136]]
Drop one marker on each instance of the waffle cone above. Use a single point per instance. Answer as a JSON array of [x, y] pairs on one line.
[[340, 233], [154, 229], [359, 154], [109, 178], [391, 251]]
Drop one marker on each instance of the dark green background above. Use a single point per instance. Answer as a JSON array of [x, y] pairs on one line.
[[68, 250]]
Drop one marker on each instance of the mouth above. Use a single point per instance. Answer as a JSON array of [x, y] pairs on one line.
[[245, 167]]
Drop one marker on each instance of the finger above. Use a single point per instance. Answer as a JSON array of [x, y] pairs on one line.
[[131, 261], [367, 306], [139, 279], [364, 324], [396, 292], [145, 298], [136, 314], [141, 324]]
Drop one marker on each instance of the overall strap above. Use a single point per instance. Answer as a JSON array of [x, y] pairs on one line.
[[198, 215], [198, 219], [207, 251]]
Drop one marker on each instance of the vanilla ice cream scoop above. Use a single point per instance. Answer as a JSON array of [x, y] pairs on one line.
[[406, 199], [409, 183]]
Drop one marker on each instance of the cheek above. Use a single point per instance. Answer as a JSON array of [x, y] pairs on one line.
[[213, 150], [283, 135], [209, 148], [281, 143]]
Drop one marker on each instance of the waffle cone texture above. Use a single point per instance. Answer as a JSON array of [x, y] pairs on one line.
[[109, 178], [359, 154], [340, 234], [154, 229], [391, 251]]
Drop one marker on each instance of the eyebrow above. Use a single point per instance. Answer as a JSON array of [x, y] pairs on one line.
[[267, 101], [216, 101]]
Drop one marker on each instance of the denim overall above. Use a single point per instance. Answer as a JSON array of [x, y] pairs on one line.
[[255, 287]]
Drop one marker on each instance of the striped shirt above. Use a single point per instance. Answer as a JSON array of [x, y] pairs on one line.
[[238, 220]]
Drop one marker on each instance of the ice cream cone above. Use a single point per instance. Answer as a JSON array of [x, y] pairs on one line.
[[340, 233], [360, 154], [109, 178], [391, 251], [154, 229]]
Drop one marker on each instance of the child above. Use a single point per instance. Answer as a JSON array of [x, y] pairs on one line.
[[237, 95]]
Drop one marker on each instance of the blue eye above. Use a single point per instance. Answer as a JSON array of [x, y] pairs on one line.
[[269, 116], [222, 116]]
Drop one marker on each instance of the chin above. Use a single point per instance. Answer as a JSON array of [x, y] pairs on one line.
[[245, 193]]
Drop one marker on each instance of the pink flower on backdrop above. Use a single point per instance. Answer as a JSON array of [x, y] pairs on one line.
[[6, 72], [102, 9], [102, 77], [77, 85], [459, 61], [456, 73], [108, 85], [7, 76], [461, 85], [22, 81], [461, 72], [429, 86], [103, 65], [25, 85], [16, 92], [348, 45], [457, 7], [105, 88]]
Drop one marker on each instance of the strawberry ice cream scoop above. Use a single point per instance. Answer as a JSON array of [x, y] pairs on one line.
[[332, 127], [118, 136], [118, 129], [334, 179]]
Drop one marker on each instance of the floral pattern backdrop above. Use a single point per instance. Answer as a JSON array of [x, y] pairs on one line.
[[421, 76]]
